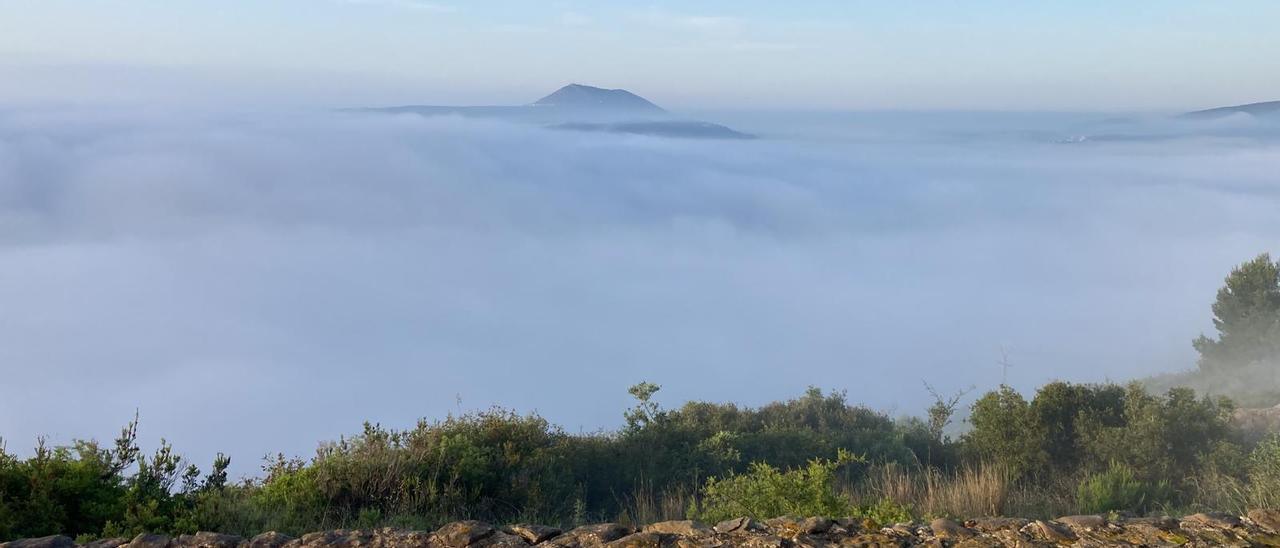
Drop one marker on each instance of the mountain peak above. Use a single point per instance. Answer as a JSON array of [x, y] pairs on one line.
[[578, 96]]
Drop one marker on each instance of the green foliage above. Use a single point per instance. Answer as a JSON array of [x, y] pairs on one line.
[[1167, 436], [884, 512], [787, 457], [1004, 431], [766, 492], [646, 411], [1264, 465], [1246, 315], [1118, 488], [1069, 429]]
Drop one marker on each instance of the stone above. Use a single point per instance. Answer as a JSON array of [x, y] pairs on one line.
[[206, 539], [461, 534], [1049, 531], [533, 534], [338, 538], [498, 539], [786, 526], [319, 538], [1163, 523], [270, 539], [738, 525], [988, 542], [1269, 519], [147, 540], [766, 541], [993, 524], [415, 539], [1257, 528], [684, 528], [809, 541], [816, 525], [106, 543], [901, 529], [54, 541], [591, 536], [946, 529], [1213, 519], [644, 539], [1089, 522]]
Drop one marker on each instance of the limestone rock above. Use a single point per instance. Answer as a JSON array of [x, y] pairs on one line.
[[816, 525], [591, 536], [785, 526], [993, 524], [684, 528], [946, 529], [1050, 532], [146, 540], [106, 543], [1164, 523], [55, 541], [498, 539], [766, 541], [1269, 519], [270, 539], [461, 534], [206, 539], [533, 534], [738, 525], [644, 539], [1259, 528], [339, 538], [1088, 522], [1216, 520]]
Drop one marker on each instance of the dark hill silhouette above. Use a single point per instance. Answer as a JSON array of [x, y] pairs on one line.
[[586, 108], [578, 96], [1269, 108]]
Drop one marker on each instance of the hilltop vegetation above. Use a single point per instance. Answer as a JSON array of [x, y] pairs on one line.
[[1068, 448], [1241, 360]]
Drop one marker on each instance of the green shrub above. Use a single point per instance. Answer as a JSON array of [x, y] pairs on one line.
[[1119, 489], [1263, 489], [884, 512], [767, 492]]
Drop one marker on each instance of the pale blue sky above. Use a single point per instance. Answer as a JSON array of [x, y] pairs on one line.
[[984, 54]]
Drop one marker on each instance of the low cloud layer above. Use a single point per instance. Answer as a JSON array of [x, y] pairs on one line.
[[254, 283]]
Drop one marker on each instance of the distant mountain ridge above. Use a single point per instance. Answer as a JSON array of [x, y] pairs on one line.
[[578, 96], [578, 107], [1267, 108]]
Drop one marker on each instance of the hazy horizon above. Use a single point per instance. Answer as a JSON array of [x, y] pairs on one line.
[[988, 55]]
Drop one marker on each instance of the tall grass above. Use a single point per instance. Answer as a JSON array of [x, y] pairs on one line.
[[644, 505], [982, 489]]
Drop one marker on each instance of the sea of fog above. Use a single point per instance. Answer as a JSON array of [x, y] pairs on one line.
[[255, 282]]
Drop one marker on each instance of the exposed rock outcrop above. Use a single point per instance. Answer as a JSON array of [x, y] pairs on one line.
[[1257, 528]]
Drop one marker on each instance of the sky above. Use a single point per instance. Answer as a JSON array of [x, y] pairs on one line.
[[827, 54]]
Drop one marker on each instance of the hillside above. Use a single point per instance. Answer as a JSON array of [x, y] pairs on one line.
[[1269, 108], [578, 96], [583, 108]]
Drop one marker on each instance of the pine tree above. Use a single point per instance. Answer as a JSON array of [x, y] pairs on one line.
[[1247, 318]]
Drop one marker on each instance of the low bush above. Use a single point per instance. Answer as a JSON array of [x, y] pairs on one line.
[[1119, 489], [766, 492]]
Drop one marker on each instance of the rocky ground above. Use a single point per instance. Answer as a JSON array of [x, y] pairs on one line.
[[1258, 528]]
